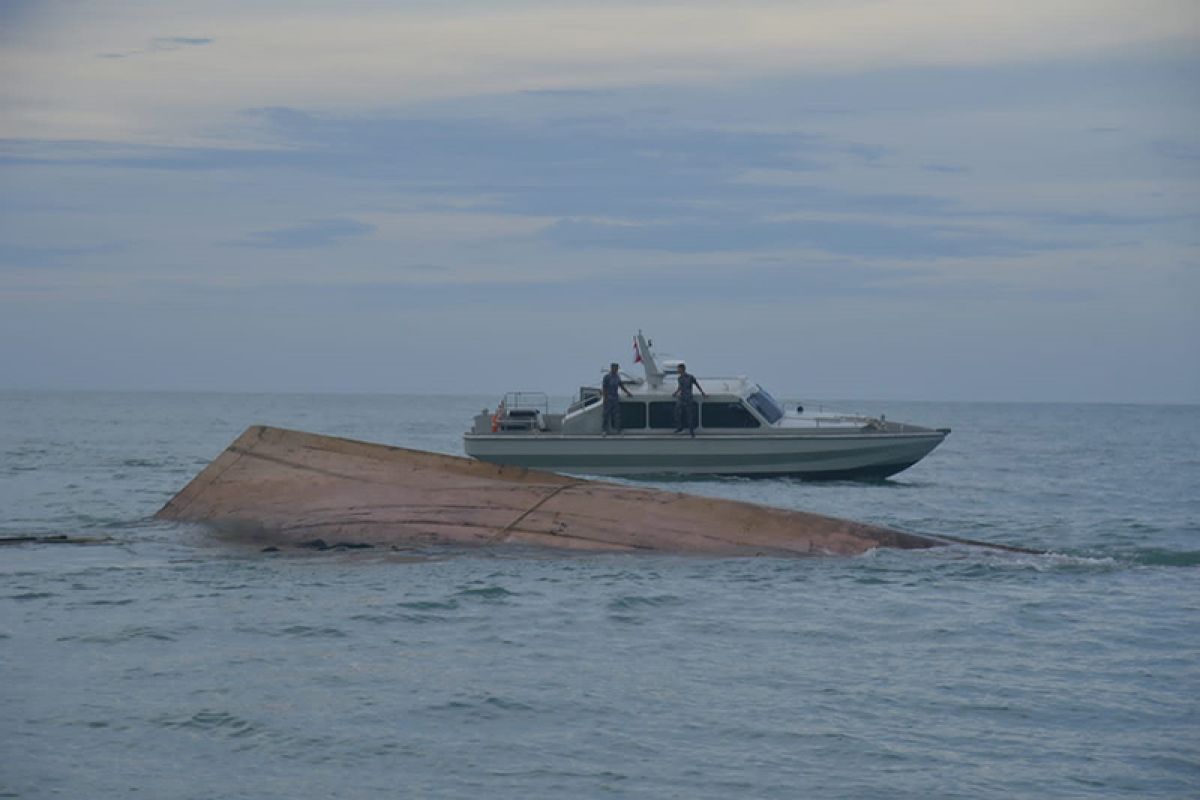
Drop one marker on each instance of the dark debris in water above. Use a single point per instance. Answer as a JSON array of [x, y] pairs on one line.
[[396, 553], [322, 545], [60, 538]]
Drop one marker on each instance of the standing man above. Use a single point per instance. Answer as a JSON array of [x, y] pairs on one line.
[[683, 401], [610, 389]]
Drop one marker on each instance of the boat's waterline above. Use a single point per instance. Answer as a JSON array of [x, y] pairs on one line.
[[820, 456]]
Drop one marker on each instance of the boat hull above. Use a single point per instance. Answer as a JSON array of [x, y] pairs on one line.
[[279, 488], [809, 456]]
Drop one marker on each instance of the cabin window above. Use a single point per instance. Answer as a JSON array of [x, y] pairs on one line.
[[766, 405], [662, 415], [727, 415], [633, 415]]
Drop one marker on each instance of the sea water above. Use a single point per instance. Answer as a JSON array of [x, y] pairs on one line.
[[166, 662]]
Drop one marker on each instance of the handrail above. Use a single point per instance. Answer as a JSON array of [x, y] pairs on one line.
[[585, 403], [535, 400]]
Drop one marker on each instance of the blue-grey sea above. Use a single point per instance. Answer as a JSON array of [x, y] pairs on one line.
[[169, 663]]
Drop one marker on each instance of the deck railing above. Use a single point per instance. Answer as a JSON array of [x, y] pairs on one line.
[[538, 401]]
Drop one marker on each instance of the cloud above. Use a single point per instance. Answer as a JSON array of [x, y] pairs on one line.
[[1176, 150], [868, 239], [175, 42], [312, 234], [779, 168], [621, 184], [378, 55], [558, 94], [1101, 219], [31, 256], [162, 44]]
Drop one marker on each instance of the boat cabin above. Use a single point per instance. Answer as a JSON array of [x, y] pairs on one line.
[[731, 404]]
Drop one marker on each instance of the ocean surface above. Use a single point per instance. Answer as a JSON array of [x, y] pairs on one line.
[[169, 663]]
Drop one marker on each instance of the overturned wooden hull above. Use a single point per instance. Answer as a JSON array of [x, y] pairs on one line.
[[286, 487]]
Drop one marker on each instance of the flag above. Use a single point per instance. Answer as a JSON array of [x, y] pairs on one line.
[[637, 354]]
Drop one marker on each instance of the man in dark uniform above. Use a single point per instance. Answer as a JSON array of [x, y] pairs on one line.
[[683, 401], [610, 389]]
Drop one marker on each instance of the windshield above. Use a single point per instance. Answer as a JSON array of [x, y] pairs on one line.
[[765, 405]]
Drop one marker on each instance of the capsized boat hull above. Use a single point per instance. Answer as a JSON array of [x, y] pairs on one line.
[[809, 456], [287, 488]]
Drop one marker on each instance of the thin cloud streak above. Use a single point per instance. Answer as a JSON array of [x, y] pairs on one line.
[[320, 233], [162, 44]]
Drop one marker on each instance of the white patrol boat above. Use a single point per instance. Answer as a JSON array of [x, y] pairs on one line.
[[741, 430]]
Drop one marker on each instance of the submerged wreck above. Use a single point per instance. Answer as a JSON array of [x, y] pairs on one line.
[[284, 488]]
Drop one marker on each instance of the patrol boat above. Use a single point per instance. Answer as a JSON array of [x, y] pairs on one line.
[[741, 430]]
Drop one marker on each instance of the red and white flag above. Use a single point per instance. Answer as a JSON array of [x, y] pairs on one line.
[[637, 354]]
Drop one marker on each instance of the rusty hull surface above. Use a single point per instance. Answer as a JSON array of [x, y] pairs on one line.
[[286, 487]]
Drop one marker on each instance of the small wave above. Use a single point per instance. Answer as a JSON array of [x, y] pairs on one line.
[[143, 462], [486, 593], [400, 618], [486, 707], [249, 734], [1141, 558], [124, 635], [1053, 560], [430, 605], [31, 596], [21, 452], [970, 560], [871, 580], [1164, 558], [630, 602], [206, 720], [306, 631], [424, 619]]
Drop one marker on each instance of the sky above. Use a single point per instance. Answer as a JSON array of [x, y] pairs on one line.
[[930, 200]]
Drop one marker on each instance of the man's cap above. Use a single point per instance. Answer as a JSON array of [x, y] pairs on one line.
[[614, 365]]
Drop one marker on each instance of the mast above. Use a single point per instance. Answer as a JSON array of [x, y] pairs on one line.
[[654, 375]]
